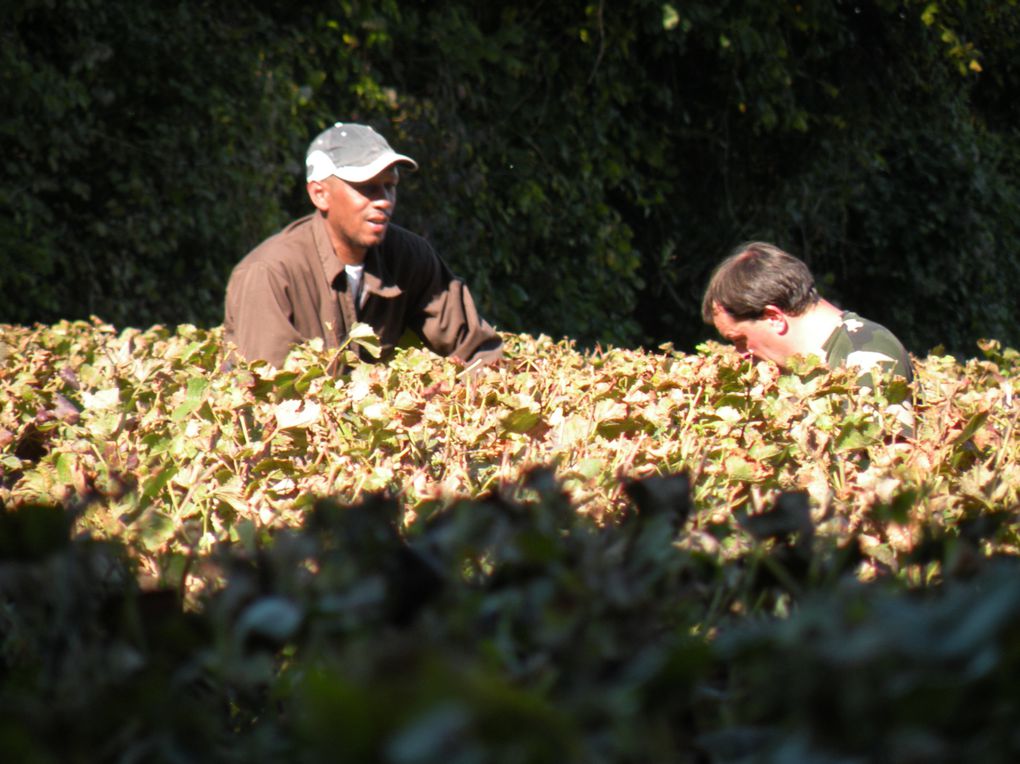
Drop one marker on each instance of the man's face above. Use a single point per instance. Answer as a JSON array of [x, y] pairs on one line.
[[357, 214], [763, 338]]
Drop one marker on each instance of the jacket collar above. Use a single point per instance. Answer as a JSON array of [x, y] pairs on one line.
[[375, 277], [331, 266]]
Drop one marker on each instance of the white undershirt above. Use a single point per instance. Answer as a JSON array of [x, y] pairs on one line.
[[354, 276]]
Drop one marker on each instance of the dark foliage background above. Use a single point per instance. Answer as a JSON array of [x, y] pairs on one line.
[[584, 164]]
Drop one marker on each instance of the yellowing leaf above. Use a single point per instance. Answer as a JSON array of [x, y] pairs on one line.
[[520, 420], [591, 468], [739, 468], [193, 399]]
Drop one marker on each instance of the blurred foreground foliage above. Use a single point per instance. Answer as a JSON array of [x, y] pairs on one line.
[[583, 164], [606, 556]]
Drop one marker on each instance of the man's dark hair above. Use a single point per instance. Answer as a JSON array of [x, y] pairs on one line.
[[754, 276]]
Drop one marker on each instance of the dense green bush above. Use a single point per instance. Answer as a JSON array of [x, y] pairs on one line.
[[583, 164], [173, 451], [503, 630], [610, 556]]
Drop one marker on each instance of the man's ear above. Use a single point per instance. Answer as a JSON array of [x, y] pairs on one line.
[[319, 194], [776, 319]]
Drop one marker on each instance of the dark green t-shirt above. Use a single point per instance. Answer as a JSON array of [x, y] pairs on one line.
[[860, 343]]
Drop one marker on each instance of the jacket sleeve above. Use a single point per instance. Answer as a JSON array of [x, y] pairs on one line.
[[258, 316], [449, 322], [452, 326]]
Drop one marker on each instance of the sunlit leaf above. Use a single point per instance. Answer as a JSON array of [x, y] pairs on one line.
[[158, 482], [296, 413], [521, 420], [101, 399], [192, 399], [974, 424], [739, 468], [729, 414], [363, 335]]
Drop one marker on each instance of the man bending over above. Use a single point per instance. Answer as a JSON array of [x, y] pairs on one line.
[[764, 301]]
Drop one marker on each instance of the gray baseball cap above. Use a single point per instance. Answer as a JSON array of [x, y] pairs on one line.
[[354, 153]]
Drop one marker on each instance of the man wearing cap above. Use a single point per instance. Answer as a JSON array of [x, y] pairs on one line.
[[347, 263]]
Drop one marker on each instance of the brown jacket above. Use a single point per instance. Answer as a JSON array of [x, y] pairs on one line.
[[292, 288]]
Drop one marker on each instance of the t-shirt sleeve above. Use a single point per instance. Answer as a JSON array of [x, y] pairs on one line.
[[258, 316]]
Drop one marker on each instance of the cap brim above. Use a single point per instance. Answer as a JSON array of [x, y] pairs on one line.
[[369, 171]]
